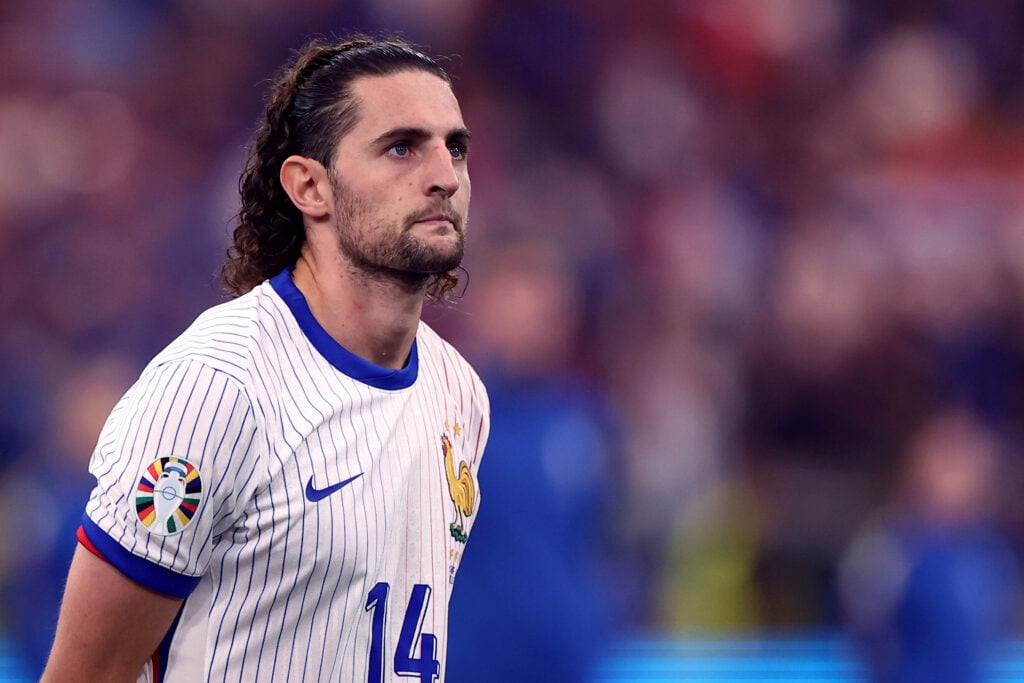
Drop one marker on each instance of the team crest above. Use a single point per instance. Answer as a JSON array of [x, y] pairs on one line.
[[168, 495], [461, 488]]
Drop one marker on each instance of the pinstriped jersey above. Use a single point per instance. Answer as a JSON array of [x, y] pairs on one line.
[[309, 506]]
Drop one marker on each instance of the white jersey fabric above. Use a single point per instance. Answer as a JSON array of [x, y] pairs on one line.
[[311, 507]]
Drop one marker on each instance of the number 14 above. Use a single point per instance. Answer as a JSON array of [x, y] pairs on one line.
[[425, 667]]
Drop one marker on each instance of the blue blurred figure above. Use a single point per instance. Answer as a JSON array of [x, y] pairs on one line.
[[530, 604], [931, 584], [45, 491]]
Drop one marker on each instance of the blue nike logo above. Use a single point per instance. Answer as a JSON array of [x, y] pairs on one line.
[[315, 494]]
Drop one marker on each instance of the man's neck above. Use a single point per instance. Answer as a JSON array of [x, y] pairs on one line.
[[372, 316]]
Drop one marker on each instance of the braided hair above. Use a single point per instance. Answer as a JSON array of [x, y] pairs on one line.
[[311, 107]]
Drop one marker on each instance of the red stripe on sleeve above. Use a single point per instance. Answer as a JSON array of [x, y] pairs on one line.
[[155, 659], [87, 544]]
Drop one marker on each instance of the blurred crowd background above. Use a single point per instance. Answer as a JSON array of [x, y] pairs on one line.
[[746, 283]]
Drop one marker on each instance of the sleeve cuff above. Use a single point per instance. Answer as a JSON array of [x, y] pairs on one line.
[[137, 569]]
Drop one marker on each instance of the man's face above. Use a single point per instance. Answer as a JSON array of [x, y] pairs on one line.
[[401, 182]]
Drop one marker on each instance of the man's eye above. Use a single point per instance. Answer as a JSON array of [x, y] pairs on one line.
[[399, 150], [457, 151]]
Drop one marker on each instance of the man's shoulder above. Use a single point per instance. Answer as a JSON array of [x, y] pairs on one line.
[[229, 335], [454, 377], [241, 315], [433, 344], [436, 349]]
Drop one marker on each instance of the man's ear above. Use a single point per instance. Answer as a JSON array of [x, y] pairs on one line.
[[306, 182]]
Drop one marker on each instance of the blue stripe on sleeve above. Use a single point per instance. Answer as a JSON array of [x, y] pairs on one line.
[[141, 571]]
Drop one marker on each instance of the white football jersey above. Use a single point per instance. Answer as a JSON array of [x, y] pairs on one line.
[[311, 507]]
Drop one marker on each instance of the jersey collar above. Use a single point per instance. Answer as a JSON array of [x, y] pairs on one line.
[[337, 355]]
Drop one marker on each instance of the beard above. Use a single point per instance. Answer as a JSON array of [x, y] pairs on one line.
[[382, 248]]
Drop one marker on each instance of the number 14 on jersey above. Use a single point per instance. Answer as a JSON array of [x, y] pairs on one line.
[[425, 666]]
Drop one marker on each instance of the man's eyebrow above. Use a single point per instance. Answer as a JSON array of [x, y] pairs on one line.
[[407, 133], [419, 134], [460, 135]]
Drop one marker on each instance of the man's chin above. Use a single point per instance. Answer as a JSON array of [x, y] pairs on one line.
[[438, 267], [435, 256]]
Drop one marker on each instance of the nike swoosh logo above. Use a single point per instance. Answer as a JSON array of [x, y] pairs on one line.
[[314, 494]]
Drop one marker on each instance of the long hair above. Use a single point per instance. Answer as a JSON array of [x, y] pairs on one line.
[[311, 107]]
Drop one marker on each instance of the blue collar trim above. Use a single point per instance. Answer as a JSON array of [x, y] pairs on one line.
[[337, 355]]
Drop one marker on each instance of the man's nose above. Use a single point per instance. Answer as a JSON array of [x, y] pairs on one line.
[[442, 176]]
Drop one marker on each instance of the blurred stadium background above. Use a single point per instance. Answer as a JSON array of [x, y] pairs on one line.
[[746, 284]]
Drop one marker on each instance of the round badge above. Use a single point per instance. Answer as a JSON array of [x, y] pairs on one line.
[[168, 495]]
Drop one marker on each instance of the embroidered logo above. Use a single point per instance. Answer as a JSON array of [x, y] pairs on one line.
[[461, 488], [168, 495], [314, 494]]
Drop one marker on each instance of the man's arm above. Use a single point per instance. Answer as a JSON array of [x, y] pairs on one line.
[[109, 626]]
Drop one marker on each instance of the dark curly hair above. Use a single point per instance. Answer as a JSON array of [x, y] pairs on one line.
[[310, 109]]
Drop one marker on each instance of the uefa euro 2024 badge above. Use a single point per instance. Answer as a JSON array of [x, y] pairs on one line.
[[168, 495]]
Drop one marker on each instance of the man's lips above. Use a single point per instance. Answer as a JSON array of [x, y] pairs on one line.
[[437, 217], [437, 220]]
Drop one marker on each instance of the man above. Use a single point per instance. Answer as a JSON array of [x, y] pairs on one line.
[[930, 584], [286, 492]]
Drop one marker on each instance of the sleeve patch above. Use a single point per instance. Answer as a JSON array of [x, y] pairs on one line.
[[168, 496]]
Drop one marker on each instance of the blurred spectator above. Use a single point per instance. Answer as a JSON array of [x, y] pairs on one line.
[[47, 495], [535, 599], [931, 583], [708, 584]]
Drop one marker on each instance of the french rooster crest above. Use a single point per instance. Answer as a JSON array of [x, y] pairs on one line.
[[461, 488]]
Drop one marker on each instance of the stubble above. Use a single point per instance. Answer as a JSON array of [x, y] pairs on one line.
[[381, 250]]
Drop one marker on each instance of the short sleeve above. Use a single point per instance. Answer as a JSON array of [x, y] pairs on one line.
[[175, 462]]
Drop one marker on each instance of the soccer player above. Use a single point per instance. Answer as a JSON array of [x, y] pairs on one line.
[[286, 491]]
